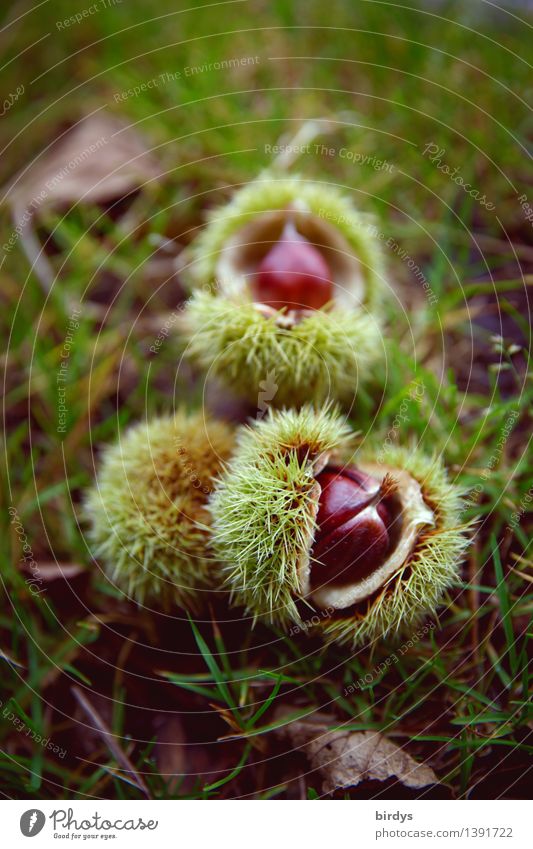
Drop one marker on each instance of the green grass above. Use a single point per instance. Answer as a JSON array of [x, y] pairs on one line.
[[389, 81]]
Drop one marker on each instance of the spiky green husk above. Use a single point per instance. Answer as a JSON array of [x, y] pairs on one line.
[[324, 356], [147, 509], [270, 192], [326, 353], [263, 508], [418, 588]]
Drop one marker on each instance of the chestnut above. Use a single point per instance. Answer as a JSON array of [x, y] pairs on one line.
[[354, 514], [288, 277], [294, 274], [148, 522], [362, 545]]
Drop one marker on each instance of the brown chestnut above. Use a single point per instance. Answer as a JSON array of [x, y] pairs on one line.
[[354, 518], [293, 274]]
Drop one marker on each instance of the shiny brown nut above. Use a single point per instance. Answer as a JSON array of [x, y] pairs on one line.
[[293, 274], [354, 514]]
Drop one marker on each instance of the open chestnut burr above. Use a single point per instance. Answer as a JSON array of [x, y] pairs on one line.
[[304, 527], [287, 279]]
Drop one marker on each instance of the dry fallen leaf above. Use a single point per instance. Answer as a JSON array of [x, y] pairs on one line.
[[99, 160], [345, 758], [96, 161], [170, 749], [99, 725]]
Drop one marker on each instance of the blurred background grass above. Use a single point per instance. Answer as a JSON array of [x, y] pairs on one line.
[[385, 80]]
